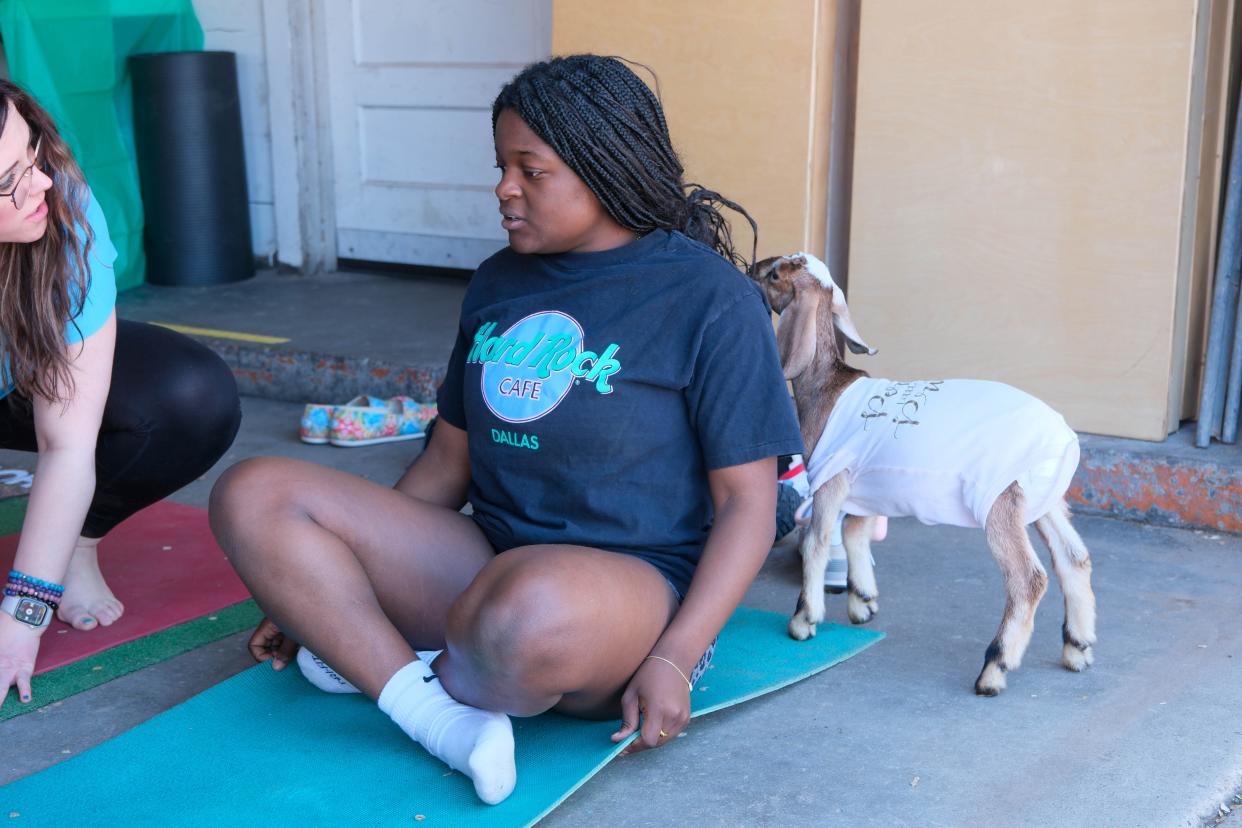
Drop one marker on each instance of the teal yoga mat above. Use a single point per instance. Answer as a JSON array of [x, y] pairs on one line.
[[267, 748]]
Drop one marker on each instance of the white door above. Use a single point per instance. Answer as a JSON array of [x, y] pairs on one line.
[[411, 84]]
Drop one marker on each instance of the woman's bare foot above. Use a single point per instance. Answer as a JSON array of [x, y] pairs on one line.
[[88, 602]]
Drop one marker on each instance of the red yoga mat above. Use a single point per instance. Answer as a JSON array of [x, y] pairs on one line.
[[163, 565]]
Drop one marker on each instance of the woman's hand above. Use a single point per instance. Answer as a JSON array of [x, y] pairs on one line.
[[660, 696], [19, 644], [269, 644]]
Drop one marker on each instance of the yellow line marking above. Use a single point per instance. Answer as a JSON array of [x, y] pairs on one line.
[[219, 334]]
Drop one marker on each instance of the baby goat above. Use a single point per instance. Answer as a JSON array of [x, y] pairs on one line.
[[961, 452]]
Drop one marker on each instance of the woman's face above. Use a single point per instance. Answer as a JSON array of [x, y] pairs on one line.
[[546, 207], [26, 183]]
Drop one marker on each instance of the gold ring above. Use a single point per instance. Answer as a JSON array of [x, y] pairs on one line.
[[663, 735]]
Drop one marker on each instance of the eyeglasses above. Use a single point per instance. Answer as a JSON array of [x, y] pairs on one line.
[[22, 188]]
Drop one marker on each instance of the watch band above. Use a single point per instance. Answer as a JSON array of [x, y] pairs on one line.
[[30, 611]]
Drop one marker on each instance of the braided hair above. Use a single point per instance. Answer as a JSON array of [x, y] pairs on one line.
[[609, 128]]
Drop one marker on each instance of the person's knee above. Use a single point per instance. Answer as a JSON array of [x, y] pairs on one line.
[[247, 491], [205, 394], [182, 384], [185, 375], [515, 624]]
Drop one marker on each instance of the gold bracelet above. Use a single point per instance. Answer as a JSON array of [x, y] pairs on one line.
[[689, 686]]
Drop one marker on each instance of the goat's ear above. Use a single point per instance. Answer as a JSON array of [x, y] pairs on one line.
[[841, 315], [795, 336]]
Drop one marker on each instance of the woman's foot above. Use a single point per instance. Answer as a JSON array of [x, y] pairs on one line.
[[479, 743], [88, 603], [318, 673]]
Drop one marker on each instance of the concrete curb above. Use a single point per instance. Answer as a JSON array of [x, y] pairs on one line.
[[304, 376], [1165, 491]]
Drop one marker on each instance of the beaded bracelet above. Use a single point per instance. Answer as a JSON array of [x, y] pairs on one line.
[[26, 589], [30, 579], [24, 585], [22, 577], [15, 583], [52, 601]]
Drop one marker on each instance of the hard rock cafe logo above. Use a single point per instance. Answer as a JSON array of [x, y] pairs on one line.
[[528, 369]]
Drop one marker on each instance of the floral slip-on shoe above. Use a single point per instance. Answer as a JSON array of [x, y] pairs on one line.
[[399, 418], [317, 418], [316, 422]]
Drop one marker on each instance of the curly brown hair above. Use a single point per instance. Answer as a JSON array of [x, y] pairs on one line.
[[44, 283]]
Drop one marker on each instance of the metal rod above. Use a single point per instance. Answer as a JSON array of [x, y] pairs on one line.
[[1229, 418], [1224, 302], [1230, 232]]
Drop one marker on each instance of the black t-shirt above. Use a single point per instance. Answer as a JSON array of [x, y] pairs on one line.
[[598, 389]]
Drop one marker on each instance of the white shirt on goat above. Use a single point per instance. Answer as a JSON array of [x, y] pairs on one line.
[[943, 451]]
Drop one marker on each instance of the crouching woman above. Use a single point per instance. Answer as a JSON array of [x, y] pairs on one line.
[[120, 413]]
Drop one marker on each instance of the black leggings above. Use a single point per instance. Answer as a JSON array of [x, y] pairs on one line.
[[172, 411]]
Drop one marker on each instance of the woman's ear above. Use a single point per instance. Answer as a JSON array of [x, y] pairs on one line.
[[795, 335]]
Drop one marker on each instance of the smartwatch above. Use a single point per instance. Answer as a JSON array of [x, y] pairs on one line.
[[30, 611]]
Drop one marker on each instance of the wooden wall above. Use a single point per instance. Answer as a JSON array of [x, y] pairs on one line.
[[1020, 172], [1213, 86], [747, 90]]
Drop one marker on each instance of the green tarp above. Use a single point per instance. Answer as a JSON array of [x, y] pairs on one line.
[[71, 55]]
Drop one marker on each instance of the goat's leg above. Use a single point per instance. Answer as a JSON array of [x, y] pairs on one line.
[[1072, 565], [856, 535], [1025, 584], [816, 540]]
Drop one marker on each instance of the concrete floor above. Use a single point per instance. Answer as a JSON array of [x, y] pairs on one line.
[[395, 320], [1151, 736]]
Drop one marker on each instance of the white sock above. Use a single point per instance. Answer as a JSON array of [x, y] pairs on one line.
[[318, 673], [479, 743]]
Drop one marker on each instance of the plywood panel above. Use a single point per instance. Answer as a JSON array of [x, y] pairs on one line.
[[1017, 197], [746, 88], [1208, 187]]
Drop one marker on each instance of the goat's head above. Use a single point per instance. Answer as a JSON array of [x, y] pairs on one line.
[[796, 287]]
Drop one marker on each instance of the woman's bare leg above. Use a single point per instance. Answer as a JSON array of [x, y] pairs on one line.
[[554, 626], [363, 574], [360, 573]]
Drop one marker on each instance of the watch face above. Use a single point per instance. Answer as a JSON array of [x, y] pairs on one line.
[[31, 611]]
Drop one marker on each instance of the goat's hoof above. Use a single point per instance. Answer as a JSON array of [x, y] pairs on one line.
[[1075, 659], [991, 681], [861, 611], [800, 629]]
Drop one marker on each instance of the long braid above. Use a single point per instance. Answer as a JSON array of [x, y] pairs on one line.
[[609, 128]]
